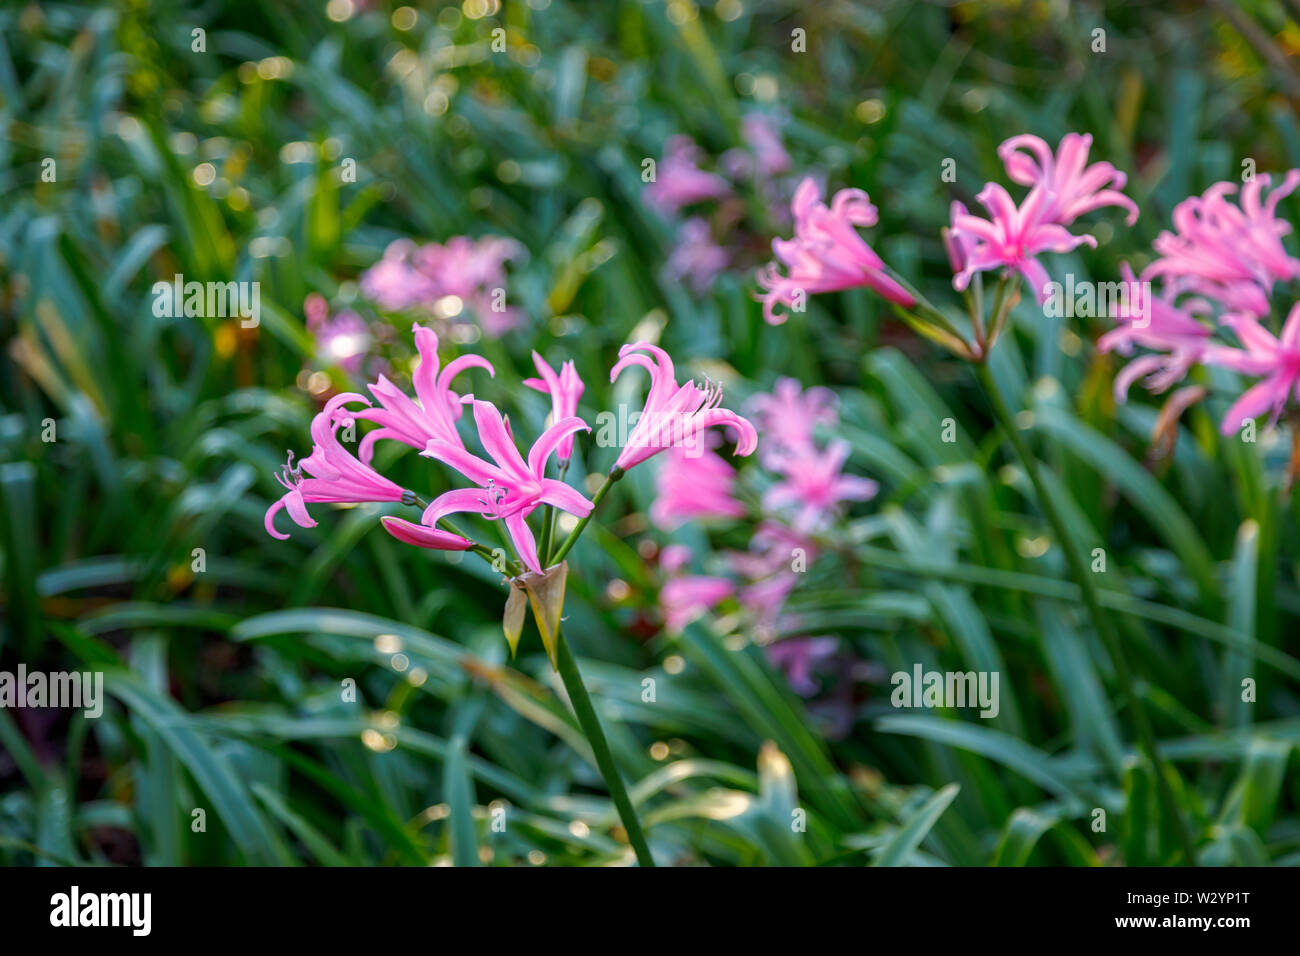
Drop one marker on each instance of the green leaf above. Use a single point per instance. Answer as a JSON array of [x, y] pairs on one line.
[[915, 829]]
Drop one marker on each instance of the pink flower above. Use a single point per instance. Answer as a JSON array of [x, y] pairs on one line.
[[673, 414], [565, 389], [466, 266], [765, 156], [774, 553], [789, 417], [1073, 187], [813, 484], [438, 410], [394, 283], [342, 339], [1230, 254], [684, 597], [826, 253], [429, 276], [797, 658], [694, 486], [696, 257], [958, 246], [336, 476], [765, 142], [1156, 323], [1277, 359], [1012, 237], [679, 181], [508, 487]]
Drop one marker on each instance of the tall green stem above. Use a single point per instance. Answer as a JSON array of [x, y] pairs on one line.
[[1101, 620], [590, 724], [614, 475]]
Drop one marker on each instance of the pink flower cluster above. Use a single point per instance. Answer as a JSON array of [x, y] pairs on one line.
[[462, 279], [827, 254], [506, 485], [1218, 270], [1062, 187], [809, 492], [698, 257]]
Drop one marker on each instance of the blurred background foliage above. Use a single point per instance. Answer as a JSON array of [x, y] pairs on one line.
[[224, 685]]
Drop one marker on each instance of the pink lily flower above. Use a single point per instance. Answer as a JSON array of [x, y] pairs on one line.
[[434, 417], [464, 266], [1011, 237], [394, 283], [813, 483], [679, 181], [958, 246], [673, 414], [769, 566], [694, 487], [508, 487], [1158, 324], [336, 476], [565, 389], [471, 269], [684, 597], [765, 141], [826, 253], [1073, 187], [696, 258], [789, 417], [1230, 254], [1276, 358], [410, 276], [798, 657], [765, 156]]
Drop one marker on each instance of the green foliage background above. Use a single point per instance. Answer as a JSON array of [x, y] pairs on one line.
[[224, 685]]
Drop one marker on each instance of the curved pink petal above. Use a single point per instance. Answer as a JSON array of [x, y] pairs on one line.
[[525, 543]]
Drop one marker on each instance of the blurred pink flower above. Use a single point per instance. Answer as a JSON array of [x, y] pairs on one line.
[[1156, 323], [336, 476], [1230, 254], [1012, 237], [679, 181], [763, 157], [813, 484], [775, 551], [765, 142], [684, 597], [1275, 358], [673, 414], [565, 389], [798, 656], [696, 258], [394, 283], [957, 245], [826, 253], [789, 416], [508, 487], [342, 339], [1073, 187], [694, 486], [438, 410], [472, 270]]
